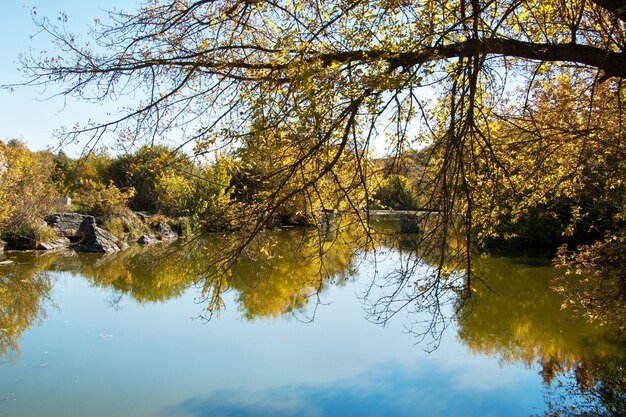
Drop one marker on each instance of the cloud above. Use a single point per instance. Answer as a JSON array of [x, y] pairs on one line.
[[389, 391]]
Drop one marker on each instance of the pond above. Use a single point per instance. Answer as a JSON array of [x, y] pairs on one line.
[[145, 333]]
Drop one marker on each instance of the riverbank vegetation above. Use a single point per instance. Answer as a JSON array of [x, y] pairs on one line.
[[216, 194]]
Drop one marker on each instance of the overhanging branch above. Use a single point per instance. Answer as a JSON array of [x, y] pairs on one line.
[[612, 63]]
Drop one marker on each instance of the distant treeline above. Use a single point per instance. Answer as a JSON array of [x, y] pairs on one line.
[[222, 191], [217, 193]]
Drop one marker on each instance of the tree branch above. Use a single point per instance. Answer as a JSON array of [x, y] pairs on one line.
[[612, 63]]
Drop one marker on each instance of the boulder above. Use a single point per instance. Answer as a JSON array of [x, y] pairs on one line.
[[147, 239], [95, 239], [68, 224], [60, 243]]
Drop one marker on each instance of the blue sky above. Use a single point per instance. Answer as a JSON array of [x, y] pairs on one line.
[[32, 114], [23, 114]]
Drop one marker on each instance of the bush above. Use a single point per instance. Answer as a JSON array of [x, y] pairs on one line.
[[212, 197], [142, 169], [27, 192], [128, 226], [183, 226], [103, 200], [69, 173], [395, 192], [173, 194]]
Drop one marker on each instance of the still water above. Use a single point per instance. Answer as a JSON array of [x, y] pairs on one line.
[[145, 333]]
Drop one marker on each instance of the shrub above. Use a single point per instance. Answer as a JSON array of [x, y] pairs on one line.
[[69, 174], [141, 171], [212, 196], [395, 192], [173, 194], [27, 192], [183, 226], [103, 200], [126, 226]]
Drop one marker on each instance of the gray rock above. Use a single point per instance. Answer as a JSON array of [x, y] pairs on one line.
[[95, 239], [60, 243], [122, 244], [68, 224], [147, 239], [3, 245], [65, 201]]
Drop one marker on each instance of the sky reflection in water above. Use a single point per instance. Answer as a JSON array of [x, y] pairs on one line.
[[387, 390]]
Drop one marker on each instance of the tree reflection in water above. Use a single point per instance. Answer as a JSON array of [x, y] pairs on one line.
[[515, 317], [512, 314], [25, 286], [277, 273]]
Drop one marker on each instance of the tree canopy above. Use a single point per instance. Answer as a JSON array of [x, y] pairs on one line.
[[518, 101]]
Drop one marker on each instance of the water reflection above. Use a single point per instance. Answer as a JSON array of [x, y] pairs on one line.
[[276, 274], [24, 287], [391, 390], [281, 271], [512, 315], [516, 317]]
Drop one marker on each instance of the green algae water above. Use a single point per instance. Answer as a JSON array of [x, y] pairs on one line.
[[145, 333]]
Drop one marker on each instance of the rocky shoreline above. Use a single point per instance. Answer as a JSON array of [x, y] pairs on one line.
[[81, 232]]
